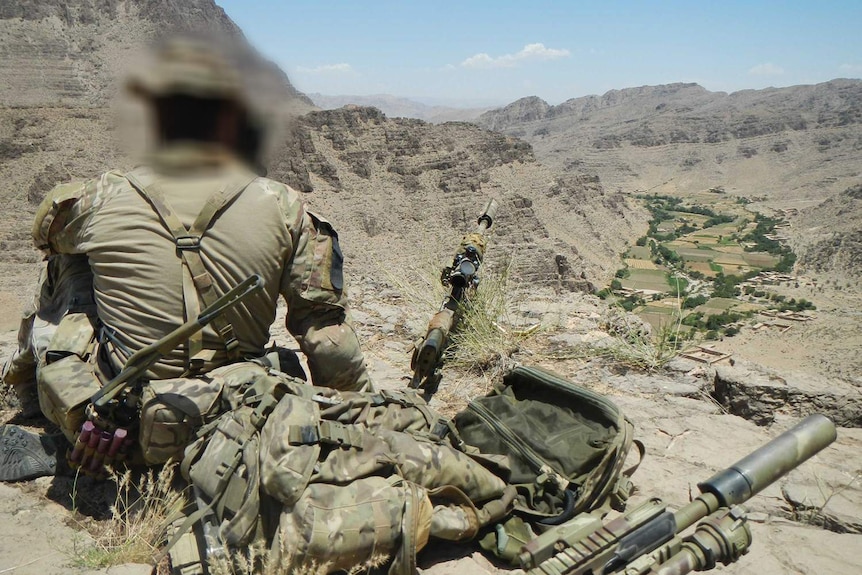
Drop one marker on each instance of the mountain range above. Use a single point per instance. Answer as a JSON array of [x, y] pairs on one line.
[[399, 107]]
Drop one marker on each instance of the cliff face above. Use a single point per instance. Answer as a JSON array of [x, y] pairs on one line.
[[403, 190], [71, 53]]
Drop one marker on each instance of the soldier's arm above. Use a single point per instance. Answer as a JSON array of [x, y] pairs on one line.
[[318, 316], [63, 216]]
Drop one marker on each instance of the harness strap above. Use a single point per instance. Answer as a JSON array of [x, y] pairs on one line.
[[198, 284], [327, 432], [201, 511]]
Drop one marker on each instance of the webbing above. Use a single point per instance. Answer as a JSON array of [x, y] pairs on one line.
[[198, 284]]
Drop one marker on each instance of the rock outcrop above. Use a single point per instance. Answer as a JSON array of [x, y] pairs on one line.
[[403, 190], [760, 395]]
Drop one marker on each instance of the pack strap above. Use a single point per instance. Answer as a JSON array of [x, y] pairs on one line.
[[327, 432], [202, 510], [624, 486], [404, 562], [439, 428], [198, 284]]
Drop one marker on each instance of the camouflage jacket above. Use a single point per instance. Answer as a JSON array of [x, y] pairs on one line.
[[138, 270]]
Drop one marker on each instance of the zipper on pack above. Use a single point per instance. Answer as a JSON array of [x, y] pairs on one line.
[[539, 466]]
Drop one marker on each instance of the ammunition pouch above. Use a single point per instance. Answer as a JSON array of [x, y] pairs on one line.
[[70, 376], [172, 410]]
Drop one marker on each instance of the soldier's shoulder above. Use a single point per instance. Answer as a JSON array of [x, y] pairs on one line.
[[76, 189], [268, 185], [290, 204]]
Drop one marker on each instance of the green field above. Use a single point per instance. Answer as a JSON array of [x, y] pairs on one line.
[[689, 239], [654, 280], [639, 253]]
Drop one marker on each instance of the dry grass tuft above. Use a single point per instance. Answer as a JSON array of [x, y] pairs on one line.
[[633, 345], [257, 560], [485, 340], [647, 354], [136, 527]]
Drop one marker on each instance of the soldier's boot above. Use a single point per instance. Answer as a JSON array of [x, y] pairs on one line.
[[26, 455], [19, 373]]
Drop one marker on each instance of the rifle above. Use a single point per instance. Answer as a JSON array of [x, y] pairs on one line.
[[461, 278], [105, 436], [647, 540]]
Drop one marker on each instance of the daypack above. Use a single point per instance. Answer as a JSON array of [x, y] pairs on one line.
[[565, 447]]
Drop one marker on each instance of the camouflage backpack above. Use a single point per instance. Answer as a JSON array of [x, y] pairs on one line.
[[565, 448], [323, 477]]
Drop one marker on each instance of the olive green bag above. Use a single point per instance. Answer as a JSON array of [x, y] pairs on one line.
[[565, 448]]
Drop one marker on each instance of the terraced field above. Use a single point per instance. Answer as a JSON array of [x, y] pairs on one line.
[[692, 259]]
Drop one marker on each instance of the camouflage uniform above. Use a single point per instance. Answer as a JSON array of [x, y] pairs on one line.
[[66, 286], [142, 286], [138, 278]]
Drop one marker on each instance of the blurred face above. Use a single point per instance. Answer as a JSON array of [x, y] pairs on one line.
[[188, 118]]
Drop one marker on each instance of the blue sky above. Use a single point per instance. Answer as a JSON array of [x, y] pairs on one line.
[[496, 52]]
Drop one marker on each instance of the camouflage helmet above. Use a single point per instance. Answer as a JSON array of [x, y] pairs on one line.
[[188, 67]]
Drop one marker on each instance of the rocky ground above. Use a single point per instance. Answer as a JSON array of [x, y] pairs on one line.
[[694, 419]]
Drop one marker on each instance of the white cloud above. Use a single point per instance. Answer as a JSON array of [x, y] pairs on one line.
[[536, 51], [852, 68], [342, 68], [767, 69]]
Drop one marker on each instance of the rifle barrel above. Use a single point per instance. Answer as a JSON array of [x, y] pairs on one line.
[[759, 469]]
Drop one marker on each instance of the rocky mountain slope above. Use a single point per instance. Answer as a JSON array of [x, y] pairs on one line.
[[786, 148], [793, 146], [403, 190], [396, 107], [830, 236]]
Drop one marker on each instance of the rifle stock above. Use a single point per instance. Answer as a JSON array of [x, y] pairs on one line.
[[461, 277], [142, 360], [647, 539]]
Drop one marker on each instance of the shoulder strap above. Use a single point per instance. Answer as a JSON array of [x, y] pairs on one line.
[[198, 284]]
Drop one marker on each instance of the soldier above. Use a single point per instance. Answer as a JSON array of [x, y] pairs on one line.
[[169, 237]]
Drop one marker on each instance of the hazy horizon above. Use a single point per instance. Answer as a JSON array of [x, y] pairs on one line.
[[501, 51], [483, 103]]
